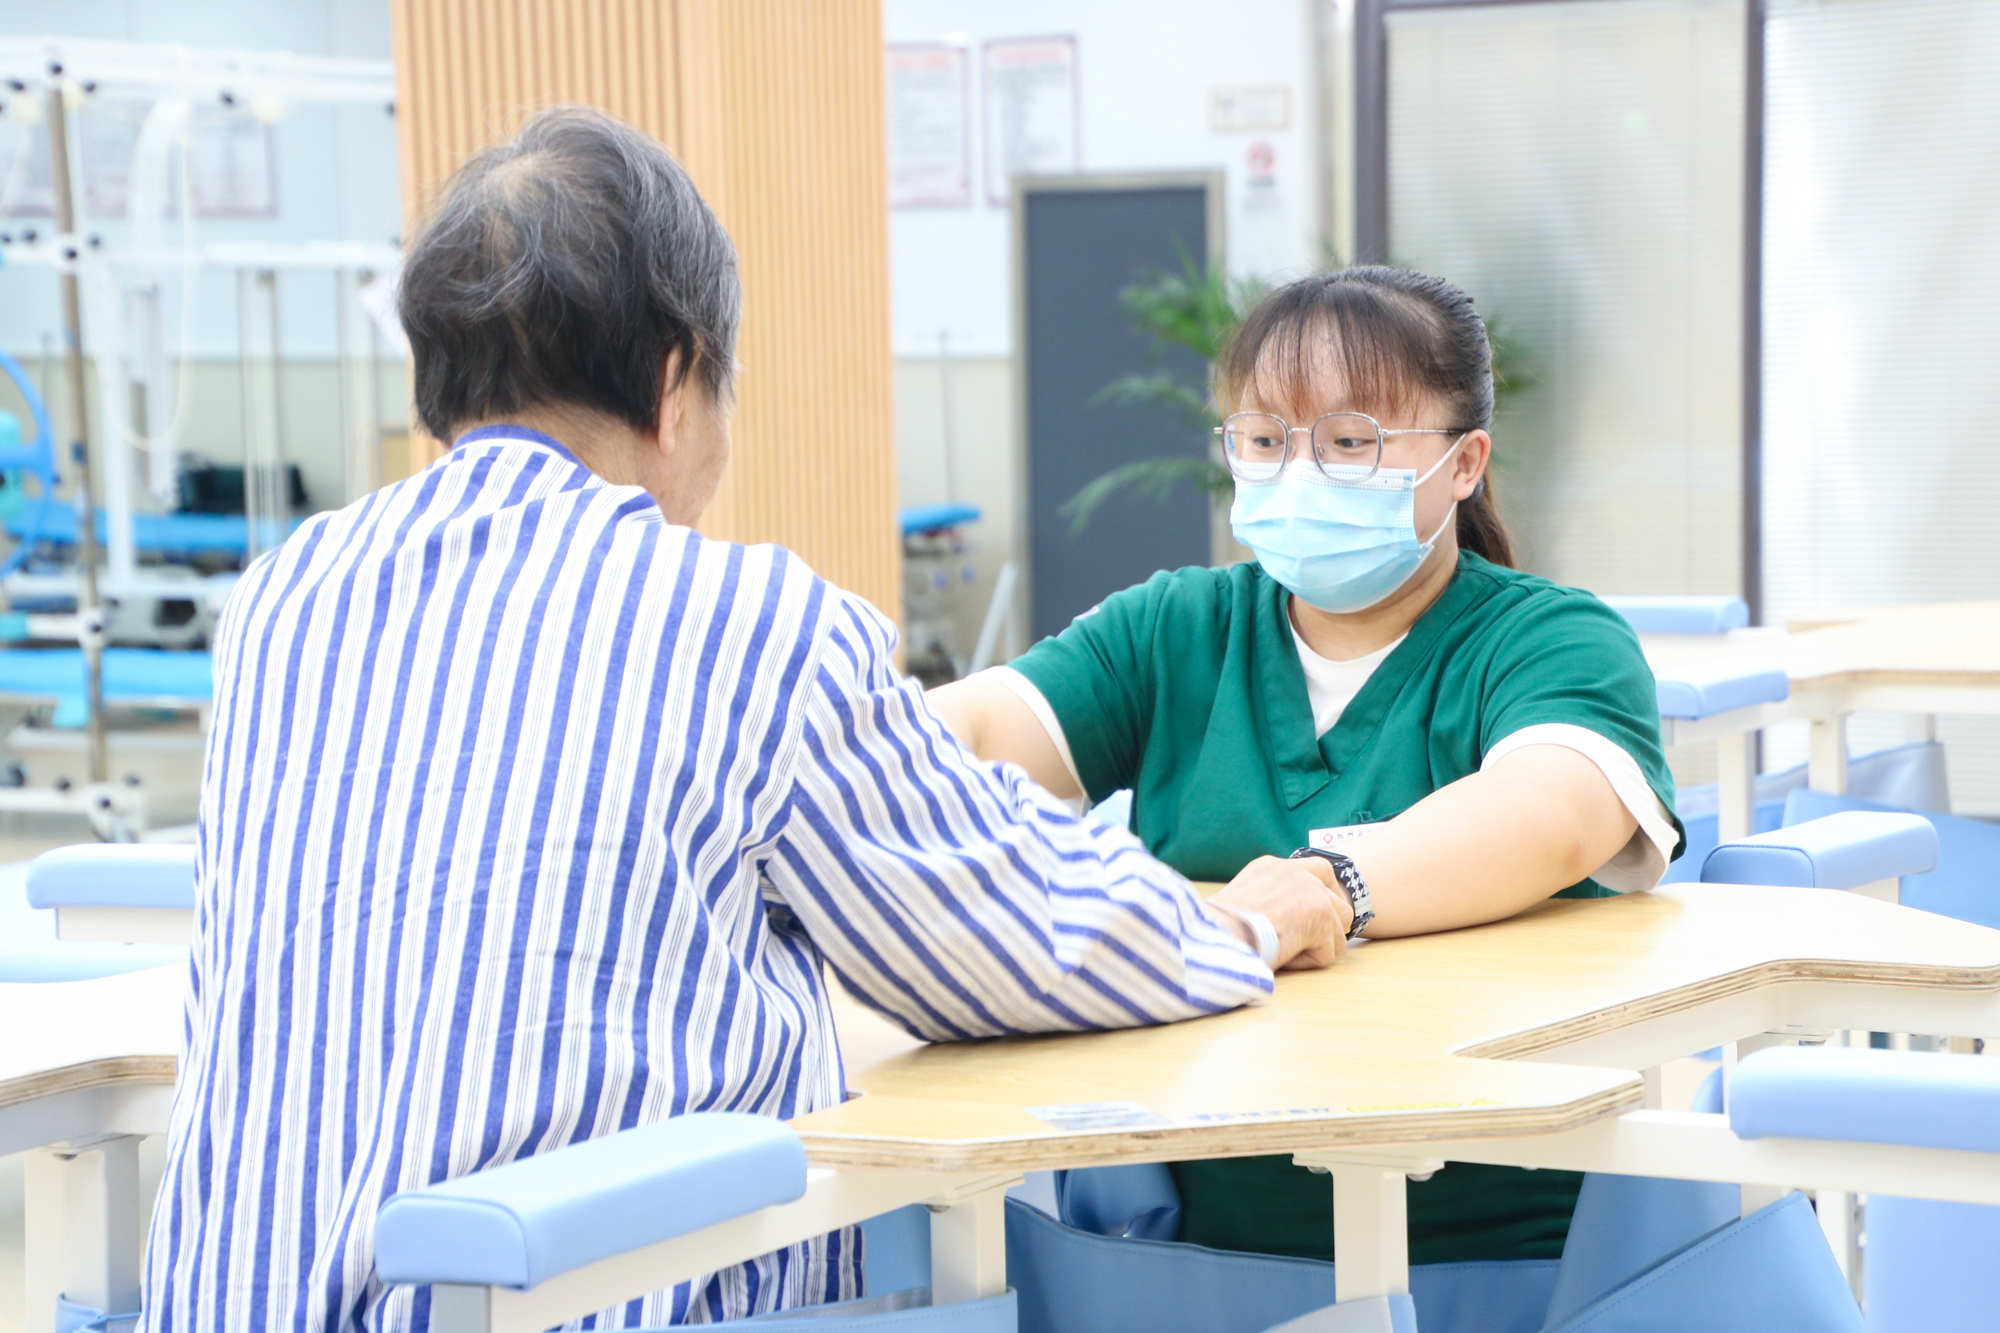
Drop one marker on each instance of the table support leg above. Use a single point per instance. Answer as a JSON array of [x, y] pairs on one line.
[[456, 1309], [1840, 1222], [1371, 1233], [969, 1247], [1736, 787], [1826, 769], [85, 1226]]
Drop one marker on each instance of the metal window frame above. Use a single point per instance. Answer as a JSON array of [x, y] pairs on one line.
[[1355, 33]]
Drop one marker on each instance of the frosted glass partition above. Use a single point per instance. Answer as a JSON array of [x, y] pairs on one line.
[[1882, 321], [1579, 169]]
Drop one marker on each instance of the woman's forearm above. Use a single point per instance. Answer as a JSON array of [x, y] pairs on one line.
[[1492, 844]]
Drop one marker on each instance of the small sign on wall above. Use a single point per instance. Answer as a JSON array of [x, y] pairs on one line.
[[232, 165], [929, 107], [1250, 108], [1030, 110]]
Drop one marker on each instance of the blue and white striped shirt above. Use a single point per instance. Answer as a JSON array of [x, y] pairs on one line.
[[527, 817]]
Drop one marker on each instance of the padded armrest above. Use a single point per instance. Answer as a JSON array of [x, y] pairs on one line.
[[145, 874], [1689, 697], [1922, 1099], [1682, 615], [1843, 851], [522, 1223]]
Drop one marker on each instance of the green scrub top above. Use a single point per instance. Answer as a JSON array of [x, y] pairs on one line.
[[1188, 690]]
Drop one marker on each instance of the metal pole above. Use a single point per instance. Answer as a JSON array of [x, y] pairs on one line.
[[944, 411], [246, 382], [343, 362], [1371, 133], [276, 494], [90, 614], [371, 472], [1753, 312]]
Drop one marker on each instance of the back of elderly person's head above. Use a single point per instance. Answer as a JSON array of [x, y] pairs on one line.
[[559, 271]]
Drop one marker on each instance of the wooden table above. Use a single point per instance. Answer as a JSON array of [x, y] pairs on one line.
[[1826, 619], [1922, 660], [1534, 1032], [86, 1068], [1523, 1042]]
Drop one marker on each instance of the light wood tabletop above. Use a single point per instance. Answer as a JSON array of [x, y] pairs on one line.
[[72, 1036], [1827, 619], [1937, 644], [1403, 1041]]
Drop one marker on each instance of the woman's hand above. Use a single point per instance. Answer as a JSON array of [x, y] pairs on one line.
[[1301, 899]]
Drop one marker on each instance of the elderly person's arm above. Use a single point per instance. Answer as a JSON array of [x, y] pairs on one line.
[[961, 900]]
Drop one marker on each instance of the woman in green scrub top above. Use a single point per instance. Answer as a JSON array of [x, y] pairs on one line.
[[1381, 684]]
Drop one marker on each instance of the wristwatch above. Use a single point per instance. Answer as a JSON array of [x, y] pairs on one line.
[[1350, 879]]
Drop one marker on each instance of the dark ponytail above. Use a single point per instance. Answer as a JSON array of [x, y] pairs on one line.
[[1389, 337]]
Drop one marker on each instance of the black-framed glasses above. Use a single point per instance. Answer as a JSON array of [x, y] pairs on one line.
[[1346, 446]]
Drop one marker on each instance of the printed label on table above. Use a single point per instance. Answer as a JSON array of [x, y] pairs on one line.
[[1100, 1115]]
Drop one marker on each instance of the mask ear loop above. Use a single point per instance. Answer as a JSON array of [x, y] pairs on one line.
[[1432, 471], [1431, 544]]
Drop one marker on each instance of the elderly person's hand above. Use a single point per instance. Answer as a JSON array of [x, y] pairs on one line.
[[1301, 899]]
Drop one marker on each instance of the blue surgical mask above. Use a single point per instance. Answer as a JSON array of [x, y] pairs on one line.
[[1338, 547]]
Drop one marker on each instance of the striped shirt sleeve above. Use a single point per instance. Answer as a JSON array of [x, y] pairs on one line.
[[960, 899]]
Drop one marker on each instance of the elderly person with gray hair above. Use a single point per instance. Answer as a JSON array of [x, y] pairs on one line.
[[530, 814]]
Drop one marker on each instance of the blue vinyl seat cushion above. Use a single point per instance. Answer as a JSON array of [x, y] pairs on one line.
[[184, 677]]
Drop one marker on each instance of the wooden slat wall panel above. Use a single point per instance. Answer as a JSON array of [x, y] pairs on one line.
[[775, 106]]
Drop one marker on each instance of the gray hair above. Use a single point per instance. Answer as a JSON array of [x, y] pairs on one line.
[[561, 269]]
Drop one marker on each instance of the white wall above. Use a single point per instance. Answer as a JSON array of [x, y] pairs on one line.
[[1144, 71]]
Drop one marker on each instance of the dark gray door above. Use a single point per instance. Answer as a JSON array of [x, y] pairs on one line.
[[1079, 247]]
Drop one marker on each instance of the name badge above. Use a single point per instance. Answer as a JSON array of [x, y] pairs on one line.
[[1333, 839]]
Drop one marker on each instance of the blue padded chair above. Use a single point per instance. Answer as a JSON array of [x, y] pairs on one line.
[[1128, 1273], [114, 874], [513, 1227], [1929, 1264], [1923, 1258], [1966, 882], [1644, 1256], [1910, 777], [1844, 851], [33, 953], [1650, 1254], [1681, 615]]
